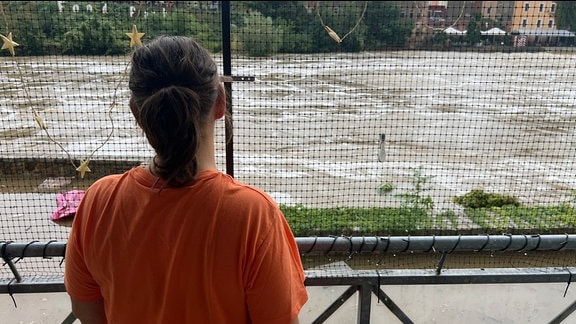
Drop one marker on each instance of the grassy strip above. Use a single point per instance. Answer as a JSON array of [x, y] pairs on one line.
[[356, 221], [523, 219], [507, 219]]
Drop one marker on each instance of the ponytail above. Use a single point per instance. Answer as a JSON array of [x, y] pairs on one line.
[[171, 120], [174, 84]]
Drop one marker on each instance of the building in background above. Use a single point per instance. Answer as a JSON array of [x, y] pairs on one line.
[[459, 13], [437, 11], [497, 14], [534, 23], [528, 22]]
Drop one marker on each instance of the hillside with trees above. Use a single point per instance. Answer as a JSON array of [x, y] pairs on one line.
[[99, 28]]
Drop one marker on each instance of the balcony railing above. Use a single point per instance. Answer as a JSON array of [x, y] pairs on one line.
[[366, 283]]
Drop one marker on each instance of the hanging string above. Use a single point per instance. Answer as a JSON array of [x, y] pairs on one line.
[[568, 284], [4, 18], [82, 168], [27, 96], [331, 32]]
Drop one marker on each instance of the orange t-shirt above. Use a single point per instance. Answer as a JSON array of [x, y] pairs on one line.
[[216, 251]]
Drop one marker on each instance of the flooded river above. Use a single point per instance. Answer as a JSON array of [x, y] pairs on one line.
[[308, 128]]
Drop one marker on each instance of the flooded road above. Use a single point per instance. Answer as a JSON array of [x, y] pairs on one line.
[[307, 129]]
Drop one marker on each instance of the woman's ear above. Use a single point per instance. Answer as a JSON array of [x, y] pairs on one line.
[[220, 104], [132, 107], [134, 111]]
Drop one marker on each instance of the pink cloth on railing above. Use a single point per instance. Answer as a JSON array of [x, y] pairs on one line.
[[66, 204]]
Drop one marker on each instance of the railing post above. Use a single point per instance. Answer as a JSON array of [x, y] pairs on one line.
[[227, 66], [364, 302]]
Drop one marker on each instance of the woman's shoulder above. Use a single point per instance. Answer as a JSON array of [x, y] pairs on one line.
[[106, 183], [107, 180], [250, 192]]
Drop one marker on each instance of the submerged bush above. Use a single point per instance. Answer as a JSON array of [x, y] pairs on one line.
[[477, 198]]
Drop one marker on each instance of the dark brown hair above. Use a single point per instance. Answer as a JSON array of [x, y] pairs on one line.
[[174, 83]]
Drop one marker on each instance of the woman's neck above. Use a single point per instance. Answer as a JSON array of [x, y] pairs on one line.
[[205, 154]]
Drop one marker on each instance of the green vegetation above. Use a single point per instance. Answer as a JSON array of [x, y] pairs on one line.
[[473, 35], [259, 28], [355, 221], [477, 198], [490, 213], [508, 219], [522, 219], [259, 36], [413, 199], [566, 15], [385, 188]]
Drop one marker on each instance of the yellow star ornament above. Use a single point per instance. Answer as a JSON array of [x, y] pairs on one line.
[[9, 44], [135, 37], [83, 168]]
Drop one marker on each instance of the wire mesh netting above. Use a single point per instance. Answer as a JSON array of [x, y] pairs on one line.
[[358, 118]]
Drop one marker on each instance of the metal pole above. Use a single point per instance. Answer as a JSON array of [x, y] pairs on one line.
[[437, 244], [364, 303], [227, 65], [387, 244], [564, 315], [391, 305], [390, 244]]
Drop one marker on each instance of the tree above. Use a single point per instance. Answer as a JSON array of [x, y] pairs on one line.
[[294, 20], [293, 13], [26, 27], [566, 15], [473, 34], [385, 29], [72, 42], [259, 36]]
